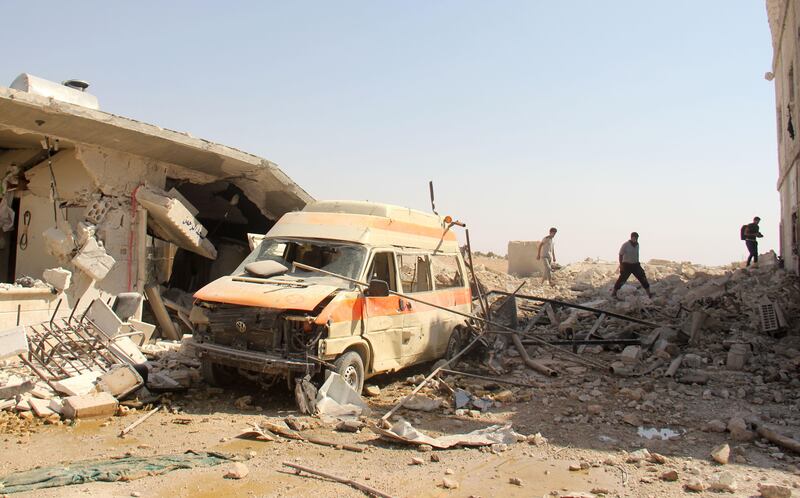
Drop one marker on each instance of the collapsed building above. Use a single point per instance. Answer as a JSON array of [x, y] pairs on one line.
[[96, 204]]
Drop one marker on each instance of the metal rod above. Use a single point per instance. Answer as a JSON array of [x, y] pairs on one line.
[[485, 377], [579, 307], [541, 342], [589, 342], [484, 305]]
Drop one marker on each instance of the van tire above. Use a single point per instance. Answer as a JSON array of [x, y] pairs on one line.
[[454, 345], [351, 367]]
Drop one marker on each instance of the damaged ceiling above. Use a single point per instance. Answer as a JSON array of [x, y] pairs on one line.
[[261, 180]]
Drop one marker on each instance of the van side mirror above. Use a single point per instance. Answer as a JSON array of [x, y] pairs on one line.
[[378, 288]]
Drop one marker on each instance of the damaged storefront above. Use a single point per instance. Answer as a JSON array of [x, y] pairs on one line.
[[94, 205]]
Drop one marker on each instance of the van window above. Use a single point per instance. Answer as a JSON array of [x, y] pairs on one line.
[[383, 269], [415, 274], [446, 271], [343, 259]]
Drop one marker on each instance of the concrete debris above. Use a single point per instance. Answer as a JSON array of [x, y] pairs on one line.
[[723, 481], [404, 432], [721, 454], [59, 278], [13, 342], [90, 405], [769, 490], [237, 470], [59, 243], [93, 260]]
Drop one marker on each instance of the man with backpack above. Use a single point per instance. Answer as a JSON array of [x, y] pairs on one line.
[[749, 233]]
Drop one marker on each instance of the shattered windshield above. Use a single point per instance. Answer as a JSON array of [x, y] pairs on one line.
[[343, 259]]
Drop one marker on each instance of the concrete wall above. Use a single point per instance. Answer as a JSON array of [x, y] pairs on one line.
[[522, 258], [784, 26]]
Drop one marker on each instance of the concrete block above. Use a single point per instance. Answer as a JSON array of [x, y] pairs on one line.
[[40, 407], [23, 405], [631, 354], [58, 278], [59, 242], [93, 260], [56, 406], [85, 231], [522, 258], [738, 356], [90, 405], [120, 381], [7, 404], [13, 342], [77, 385]]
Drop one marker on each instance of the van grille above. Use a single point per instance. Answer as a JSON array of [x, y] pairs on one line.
[[255, 329]]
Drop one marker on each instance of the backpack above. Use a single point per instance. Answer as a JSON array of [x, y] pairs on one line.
[[743, 232]]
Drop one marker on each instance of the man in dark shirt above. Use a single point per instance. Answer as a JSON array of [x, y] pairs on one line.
[[751, 232]]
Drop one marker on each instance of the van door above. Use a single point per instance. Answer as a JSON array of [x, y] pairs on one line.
[[449, 284], [415, 278], [383, 316]]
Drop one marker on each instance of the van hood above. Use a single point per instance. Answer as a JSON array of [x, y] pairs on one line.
[[262, 293]]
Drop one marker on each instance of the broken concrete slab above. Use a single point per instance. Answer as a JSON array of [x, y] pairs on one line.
[[41, 407], [170, 219], [93, 260], [77, 385], [59, 278], [13, 342], [109, 325], [15, 389], [90, 405]]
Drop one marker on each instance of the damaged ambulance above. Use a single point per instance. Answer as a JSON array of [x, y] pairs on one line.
[[271, 320]]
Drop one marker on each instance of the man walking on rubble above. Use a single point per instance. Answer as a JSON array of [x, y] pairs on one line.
[[629, 265], [751, 232], [547, 253]]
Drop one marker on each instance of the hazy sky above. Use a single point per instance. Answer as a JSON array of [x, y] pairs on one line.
[[596, 117]]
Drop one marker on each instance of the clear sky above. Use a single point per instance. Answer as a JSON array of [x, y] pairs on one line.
[[596, 117]]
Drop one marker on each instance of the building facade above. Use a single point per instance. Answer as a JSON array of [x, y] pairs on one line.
[[784, 23]]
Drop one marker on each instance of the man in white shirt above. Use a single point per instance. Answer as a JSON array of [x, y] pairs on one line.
[[629, 265], [547, 253]]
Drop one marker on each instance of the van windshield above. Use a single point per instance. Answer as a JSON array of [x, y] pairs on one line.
[[343, 259]]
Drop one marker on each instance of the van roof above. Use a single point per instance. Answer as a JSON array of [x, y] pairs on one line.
[[369, 223]]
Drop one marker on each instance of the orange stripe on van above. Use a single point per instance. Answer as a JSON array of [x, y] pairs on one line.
[[345, 309], [311, 218]]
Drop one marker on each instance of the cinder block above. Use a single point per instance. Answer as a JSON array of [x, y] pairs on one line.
[[57, 277], [93, 260], [90, 405]]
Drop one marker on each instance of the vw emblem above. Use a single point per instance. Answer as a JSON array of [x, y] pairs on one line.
[[241, 326]]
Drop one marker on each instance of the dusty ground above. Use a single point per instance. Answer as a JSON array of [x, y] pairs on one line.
[[587, 416]]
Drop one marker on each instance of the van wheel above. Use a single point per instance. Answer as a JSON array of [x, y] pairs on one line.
[[454, 345], [351, 367]]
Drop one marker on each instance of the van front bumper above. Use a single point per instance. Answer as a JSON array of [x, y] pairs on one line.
[[252, 360]]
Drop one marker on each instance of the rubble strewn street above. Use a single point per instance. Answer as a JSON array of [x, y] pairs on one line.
[[706, 401]]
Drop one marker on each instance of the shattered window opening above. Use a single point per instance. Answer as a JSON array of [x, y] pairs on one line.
[[343, 259], [446, 271], [415, 274]]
